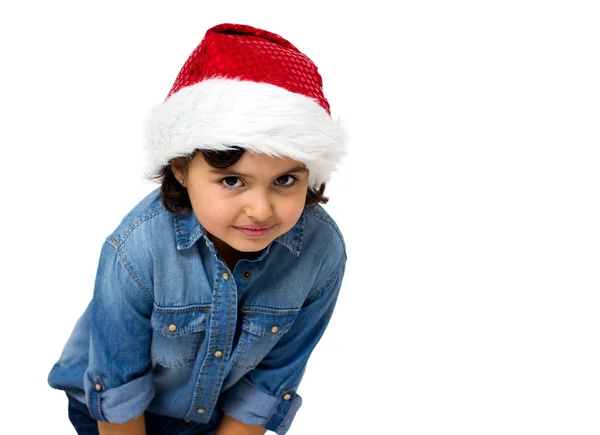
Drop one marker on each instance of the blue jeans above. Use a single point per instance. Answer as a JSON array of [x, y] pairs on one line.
[[156, 424]]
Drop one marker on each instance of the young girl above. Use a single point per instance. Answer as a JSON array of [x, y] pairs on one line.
[[214, 290]]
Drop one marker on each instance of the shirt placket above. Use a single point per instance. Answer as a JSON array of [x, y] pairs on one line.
[[220, 342]]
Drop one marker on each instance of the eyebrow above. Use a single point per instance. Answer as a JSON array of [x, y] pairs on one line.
[[229, 171]]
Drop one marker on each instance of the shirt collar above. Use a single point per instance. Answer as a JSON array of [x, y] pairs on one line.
[[188, 230]]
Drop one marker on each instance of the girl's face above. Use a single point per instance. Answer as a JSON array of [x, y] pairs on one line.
[[259, 190]]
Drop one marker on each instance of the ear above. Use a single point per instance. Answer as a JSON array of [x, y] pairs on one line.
[[178, 169]]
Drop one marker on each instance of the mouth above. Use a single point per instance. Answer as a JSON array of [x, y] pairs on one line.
[[254, 230], [254, 227]]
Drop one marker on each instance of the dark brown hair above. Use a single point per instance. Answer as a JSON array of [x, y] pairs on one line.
[[175, 197]]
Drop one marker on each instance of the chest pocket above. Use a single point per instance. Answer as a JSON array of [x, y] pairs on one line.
[[177, 334], [261, 329]]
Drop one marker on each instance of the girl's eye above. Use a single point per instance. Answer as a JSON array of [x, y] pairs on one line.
[[292, 180], [283, 181], [230, 181]]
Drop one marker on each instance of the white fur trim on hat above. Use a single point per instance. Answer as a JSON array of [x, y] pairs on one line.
[[220, 113]]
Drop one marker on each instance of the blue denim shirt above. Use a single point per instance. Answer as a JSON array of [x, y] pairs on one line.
[[171, 330]]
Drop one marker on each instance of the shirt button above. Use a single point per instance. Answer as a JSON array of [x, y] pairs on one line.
[[201, 410], [287, 397], [218, 354], [98, 387], [274, 329], [172, 327], [225, 276], [207, 243], [246, 274]]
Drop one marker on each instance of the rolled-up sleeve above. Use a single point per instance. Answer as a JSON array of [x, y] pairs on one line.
[[118, 383], [267, 395]]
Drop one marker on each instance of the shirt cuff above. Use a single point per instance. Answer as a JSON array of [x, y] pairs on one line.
[[119, 404], [246, 403]]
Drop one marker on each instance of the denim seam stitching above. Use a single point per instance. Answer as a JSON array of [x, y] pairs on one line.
[[178, 332], [294, 244], [99, 408], [327, 219], [286, 414], [177, 310], [178, 230], [201, 380], [133, 275], [179, 235], [277, 334], [300, 237], [247, 311], [154, 212], [312, 295]]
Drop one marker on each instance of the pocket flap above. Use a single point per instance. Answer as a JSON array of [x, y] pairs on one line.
[[268, 322], [178, 321]]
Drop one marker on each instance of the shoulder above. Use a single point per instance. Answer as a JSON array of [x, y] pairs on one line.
[[323, 243], [145, 237], [320, 226], [319, 216], [143, 223]]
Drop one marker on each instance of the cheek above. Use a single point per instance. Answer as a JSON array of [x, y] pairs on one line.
[[292, 209], [210, 208]]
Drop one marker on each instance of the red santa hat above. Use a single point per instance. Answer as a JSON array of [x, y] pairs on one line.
[[249, 88]]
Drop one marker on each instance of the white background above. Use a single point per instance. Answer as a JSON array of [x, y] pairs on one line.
[[469, 200]]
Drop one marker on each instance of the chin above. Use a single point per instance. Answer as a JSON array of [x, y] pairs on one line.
[[244, 244], [252, 245]]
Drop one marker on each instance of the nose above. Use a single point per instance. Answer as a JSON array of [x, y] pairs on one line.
[[259, 207]]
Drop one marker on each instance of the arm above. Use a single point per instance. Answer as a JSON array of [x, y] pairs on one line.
[[136, 426], [231, 426], [118, 380], [266, 396]]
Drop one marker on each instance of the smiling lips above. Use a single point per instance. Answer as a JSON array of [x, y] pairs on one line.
[[253, 227], [254, 230]]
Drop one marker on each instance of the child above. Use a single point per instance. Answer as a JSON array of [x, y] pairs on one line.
[[214, 290]]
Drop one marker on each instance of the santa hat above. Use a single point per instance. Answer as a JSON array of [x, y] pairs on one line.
[[249, 88]]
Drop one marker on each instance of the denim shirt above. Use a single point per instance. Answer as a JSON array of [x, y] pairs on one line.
[[171, 330]]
